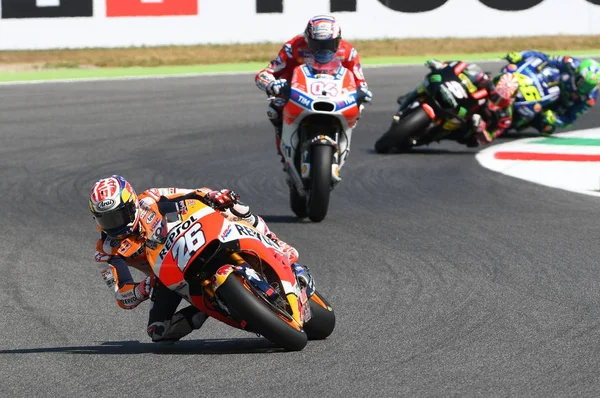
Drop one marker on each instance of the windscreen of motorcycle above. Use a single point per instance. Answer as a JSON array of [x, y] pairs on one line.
[[328, 68]]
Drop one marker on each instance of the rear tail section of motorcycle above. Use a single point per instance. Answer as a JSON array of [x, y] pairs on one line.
[[405, 127]]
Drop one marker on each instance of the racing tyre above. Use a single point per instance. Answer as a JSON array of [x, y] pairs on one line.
[[322, 321], [247, 308], [298, 203], [321, 157], [399, 133]]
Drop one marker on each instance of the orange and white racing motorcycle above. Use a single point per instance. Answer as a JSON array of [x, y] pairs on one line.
[[235, 274], [322, 108]]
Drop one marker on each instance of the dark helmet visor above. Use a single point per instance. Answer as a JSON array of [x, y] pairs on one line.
[[116, 220], [323, 45]]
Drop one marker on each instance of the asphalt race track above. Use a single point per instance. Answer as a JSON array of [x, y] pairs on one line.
[[447, 279]]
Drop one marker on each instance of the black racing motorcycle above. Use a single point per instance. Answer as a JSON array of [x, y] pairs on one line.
[[442, 110]]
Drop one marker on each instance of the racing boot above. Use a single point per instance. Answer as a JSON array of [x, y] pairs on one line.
[[405, 101], [304, 278], [467, 138], [471, 141], [275, 118], [180, 325], [288, 250], [544, 123]]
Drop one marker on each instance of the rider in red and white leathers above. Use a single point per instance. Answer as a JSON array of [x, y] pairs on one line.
[[322, 41], [119, 213]]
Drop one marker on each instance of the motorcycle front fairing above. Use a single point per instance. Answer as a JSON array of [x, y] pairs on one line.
[[332, 97]]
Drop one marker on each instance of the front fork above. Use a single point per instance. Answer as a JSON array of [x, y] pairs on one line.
[[305, 157], [299, 300]]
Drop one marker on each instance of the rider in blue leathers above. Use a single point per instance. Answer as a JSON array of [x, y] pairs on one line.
[[578, 83]]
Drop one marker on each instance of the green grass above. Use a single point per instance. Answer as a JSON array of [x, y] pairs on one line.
[[88, 73]]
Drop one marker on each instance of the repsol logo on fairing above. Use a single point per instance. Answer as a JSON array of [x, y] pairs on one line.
[[410, 6], [181, 228]]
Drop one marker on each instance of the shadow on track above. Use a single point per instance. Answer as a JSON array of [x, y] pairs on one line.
[[185, 347], [284, 219], [507, 136], [513, 135]]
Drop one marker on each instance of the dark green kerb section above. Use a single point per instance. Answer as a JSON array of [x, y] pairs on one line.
[[567, 141]]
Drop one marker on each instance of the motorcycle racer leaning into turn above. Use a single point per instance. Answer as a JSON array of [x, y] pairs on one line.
[[579, 80], [322, 41], [493, 113], [118, 212]]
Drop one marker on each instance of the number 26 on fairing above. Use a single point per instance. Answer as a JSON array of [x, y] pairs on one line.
[[187, 245]]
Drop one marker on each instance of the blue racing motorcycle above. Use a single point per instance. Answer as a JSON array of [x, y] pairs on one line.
[[539, 89]]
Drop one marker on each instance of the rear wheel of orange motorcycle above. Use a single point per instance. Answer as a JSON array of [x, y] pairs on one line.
[[322, 321], [258, 315]]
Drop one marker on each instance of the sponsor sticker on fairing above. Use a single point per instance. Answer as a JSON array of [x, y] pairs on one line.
[[180, 229], [226, 233], [244, 230]]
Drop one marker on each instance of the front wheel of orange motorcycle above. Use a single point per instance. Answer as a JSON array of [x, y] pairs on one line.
[[322, 321], [256, 315]]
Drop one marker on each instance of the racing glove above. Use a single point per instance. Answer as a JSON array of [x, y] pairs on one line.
[[277, 87], [223, 199], [228, 202], [365, 94], [568, 63], [144, 288]]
